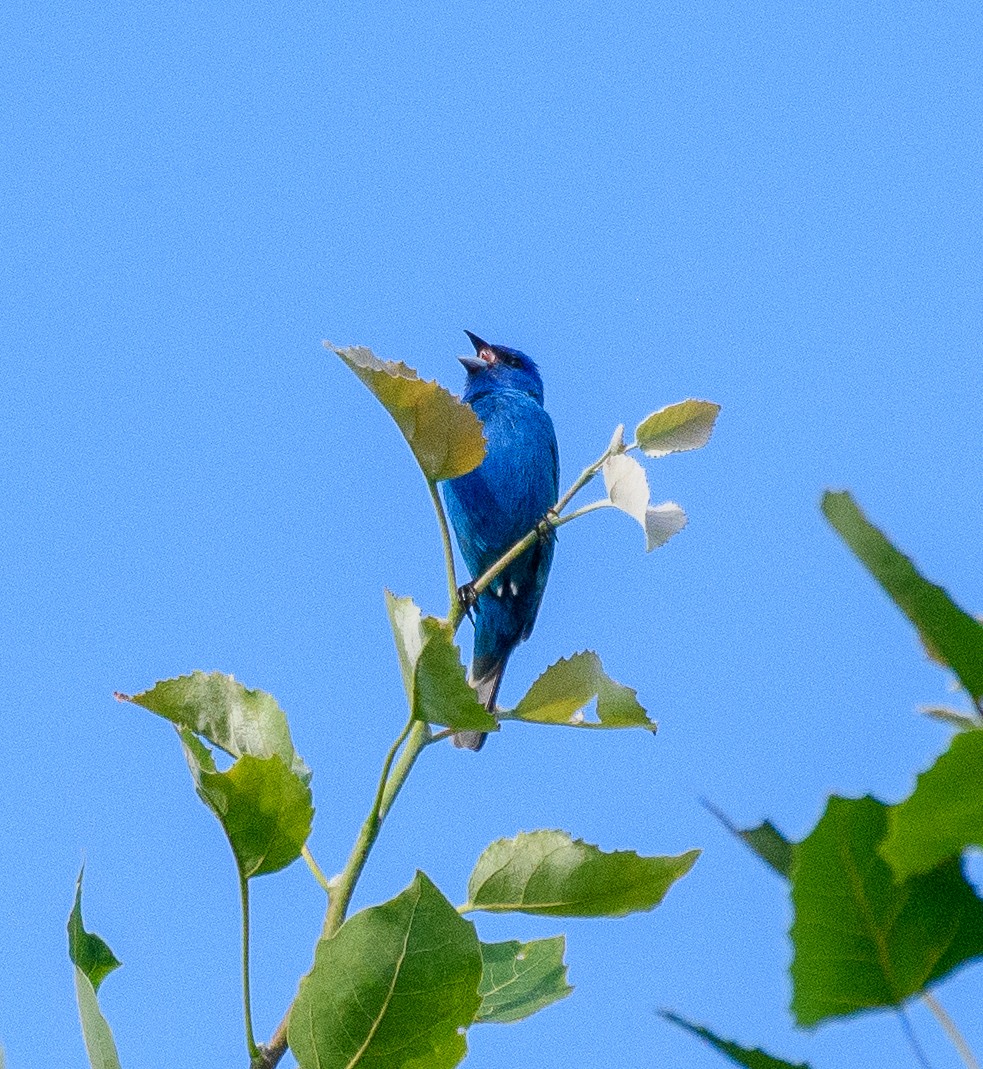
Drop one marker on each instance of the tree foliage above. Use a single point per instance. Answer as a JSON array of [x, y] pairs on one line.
[[402, 982]]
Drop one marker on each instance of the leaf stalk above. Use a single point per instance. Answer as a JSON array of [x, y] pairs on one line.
[[246, 998]]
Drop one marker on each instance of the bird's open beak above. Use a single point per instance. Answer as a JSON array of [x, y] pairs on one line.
[[486, 354]]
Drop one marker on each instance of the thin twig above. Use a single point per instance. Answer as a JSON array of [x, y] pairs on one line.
[[951, 1030], [316, 870], [445, 538], [345, 883], [246, 999], [553, 518]]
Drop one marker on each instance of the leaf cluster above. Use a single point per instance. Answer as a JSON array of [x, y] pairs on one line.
[[400, 983], [882, 909]]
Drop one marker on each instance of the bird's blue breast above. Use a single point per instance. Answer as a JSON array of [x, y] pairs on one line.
[[493, 506], [499, 502]]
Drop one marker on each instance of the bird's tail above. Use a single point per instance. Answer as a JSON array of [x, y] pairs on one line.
[[486, 679]]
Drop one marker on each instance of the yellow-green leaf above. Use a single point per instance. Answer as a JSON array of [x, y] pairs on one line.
[[560, 694], [443, 432], [677, 428]]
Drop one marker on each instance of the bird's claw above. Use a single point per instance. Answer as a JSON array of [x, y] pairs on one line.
[[546, 528], [468, 599]]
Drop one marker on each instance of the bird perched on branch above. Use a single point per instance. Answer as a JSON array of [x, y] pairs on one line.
[[498, 503]]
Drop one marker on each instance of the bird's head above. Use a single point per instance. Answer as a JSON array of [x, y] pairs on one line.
[[497, 367]]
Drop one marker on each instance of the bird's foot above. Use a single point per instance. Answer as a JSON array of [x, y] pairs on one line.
[[468, 599], [546, 528]]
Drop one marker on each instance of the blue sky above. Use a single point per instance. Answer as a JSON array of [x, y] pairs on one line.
[[776, 207]]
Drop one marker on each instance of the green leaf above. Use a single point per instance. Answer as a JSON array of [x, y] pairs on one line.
[[237, 720], [677, 428], [943, 815], [436, 686], [93, 961], [264, 808], [395, 986], [628, 490], [951, 634], [88, 952], [860, 939], [444, 433], [765, 840], [548, 873], [99, 1042], [566, 687], [751, 1058], [517, 979], [770, 845]]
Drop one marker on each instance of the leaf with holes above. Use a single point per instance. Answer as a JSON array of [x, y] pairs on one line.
[[232, 717], [264, 808], [560, 694], [444, 433]]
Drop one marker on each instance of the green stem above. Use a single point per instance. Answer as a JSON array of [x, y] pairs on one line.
[[316, 870], [604, 503], [246, 1000], [456, 614], [445, 538], [581, 481], [956, 1037], [416, 736], [420, 738]]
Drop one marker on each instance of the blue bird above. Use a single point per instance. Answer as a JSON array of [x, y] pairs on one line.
[[504, 498]]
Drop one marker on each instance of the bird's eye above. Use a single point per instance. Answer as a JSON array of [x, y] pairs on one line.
[[508, 358]]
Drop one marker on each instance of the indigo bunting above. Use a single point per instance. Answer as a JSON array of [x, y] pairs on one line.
[[504, 498]]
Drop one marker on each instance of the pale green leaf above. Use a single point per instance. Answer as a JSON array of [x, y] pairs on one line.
[[99, 1043], [677, 428], [661, 523], [626, 484], [264, 808], [549, 873], [433, 675], [395, 987], [237, 720], [518, 979], [444, 433], [943, 815], [560, 694]]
